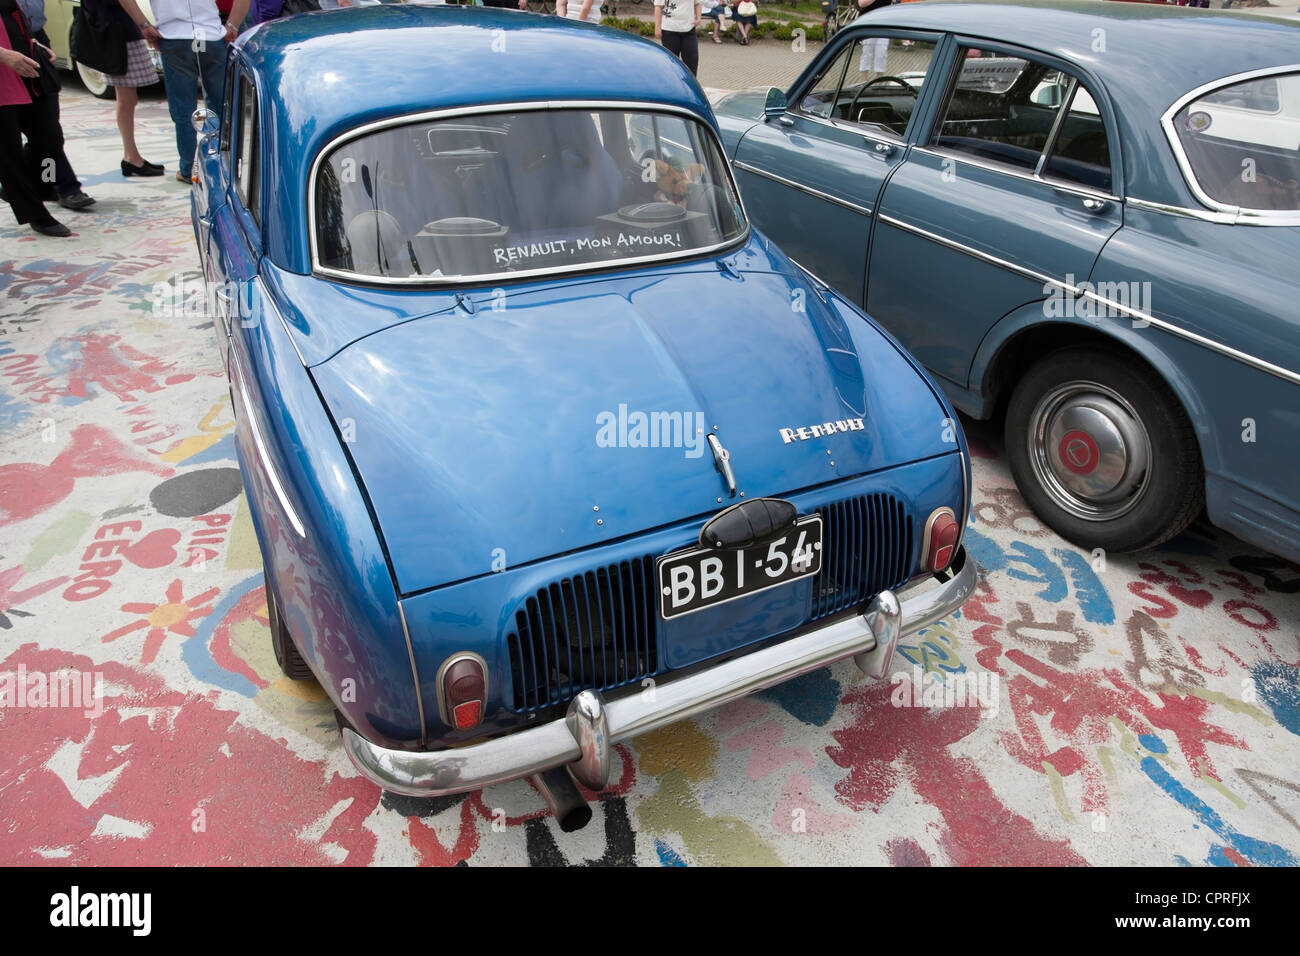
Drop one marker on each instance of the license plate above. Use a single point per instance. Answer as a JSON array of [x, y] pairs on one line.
[[702, 577]]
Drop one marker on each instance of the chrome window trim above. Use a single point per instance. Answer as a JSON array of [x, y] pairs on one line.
[[1240, 215], [1062, 113], [259, 443], [808, 190], [1245, 357], [407, 119], [1072, 188], [875, 134]]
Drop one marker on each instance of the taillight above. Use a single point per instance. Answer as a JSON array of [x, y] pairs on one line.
[[940, 542], [462, 690]]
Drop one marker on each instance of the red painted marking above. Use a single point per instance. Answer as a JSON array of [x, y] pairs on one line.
[[980, 829], [29, 488], [175, 748]]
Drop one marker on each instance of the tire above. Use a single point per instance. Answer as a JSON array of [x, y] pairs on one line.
[[286, 653], [1102, 451]]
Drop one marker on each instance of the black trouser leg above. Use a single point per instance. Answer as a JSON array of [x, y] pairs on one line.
[[47, 164], [685, 46], [690, 51], [19, 187]]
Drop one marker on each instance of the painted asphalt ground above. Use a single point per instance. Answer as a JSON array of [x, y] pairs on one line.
[[1141, 710]]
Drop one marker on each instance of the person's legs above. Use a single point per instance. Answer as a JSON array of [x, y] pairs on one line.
[[213, 62], [124, 111], [181, 74], [15, 179], [48, 164], [672, 42], [690, 50]]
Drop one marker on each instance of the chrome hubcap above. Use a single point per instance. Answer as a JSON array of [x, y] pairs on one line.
[[1089, 450]]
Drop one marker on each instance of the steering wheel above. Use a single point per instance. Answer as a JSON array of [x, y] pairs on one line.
[[885, 78]]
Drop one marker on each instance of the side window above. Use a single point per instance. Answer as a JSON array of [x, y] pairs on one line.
[[227, 114], [247, 180], [874, 82], [820, 98], [1081, 153], [1008, 110]]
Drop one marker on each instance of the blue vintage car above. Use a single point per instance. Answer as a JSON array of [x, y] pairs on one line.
[[1081, 216], [544, 445]]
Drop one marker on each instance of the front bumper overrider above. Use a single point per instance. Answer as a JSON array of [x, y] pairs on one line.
[[585, 737]]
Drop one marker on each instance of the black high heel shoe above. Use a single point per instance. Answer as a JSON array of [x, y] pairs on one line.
[[144, 169]]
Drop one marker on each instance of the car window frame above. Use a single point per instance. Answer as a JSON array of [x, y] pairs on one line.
[[852, 37], [227, 118], [1082, 78], [1242, 215], [248, 204], [524, 275]]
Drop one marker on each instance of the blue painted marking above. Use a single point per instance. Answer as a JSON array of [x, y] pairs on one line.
[[197, 654]]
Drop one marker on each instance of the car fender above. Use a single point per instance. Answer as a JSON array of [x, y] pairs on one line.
[[324, 559], [1148, 343]]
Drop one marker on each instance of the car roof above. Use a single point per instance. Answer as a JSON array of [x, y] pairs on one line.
[[321, 74], [1148, 57], [1133, 55]]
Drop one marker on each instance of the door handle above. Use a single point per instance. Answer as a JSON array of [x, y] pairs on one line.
[[1095, 205], [785, 120], [884, 149]]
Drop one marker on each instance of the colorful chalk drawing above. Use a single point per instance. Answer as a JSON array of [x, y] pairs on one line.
[[1149, 705]]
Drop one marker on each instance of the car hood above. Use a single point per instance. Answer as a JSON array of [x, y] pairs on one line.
[[557, 419]]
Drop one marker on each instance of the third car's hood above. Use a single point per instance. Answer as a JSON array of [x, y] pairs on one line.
[[492, 439]]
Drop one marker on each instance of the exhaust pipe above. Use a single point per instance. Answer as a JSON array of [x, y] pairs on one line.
[[568, 806]]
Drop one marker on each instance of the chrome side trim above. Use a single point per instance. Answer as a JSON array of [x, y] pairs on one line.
[[875, 134], [1240, 216], [515, 107], [973, 252], [415, 673], [1205, 215], [808, 190], [268, 466], [526, 752], [1285, 374], [960, 157]]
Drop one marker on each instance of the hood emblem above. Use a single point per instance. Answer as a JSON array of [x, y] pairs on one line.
[[822, 430], [722, 461]]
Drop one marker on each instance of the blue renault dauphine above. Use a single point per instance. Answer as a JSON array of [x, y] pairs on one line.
[[544, 445], [1082, 216]]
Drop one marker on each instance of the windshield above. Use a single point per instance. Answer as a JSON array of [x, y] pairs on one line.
[[540, 190], [1242, 142]]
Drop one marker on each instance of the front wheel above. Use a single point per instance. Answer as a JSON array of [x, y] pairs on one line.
[[1102, 451]]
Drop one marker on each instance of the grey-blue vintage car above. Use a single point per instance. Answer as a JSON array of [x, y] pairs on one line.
[[1079, 215]]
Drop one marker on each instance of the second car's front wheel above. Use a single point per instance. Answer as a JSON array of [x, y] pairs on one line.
[[1102, 451]]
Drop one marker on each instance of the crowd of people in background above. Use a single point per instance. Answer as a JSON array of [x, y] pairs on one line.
[[191, 37]]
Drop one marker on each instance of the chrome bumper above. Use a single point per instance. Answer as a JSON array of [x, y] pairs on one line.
[[584, 739]]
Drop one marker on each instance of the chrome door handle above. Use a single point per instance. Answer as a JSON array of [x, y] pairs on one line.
[[785, 120], [885, 149], [1095, 205]]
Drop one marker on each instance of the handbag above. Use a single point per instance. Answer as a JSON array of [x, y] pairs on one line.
[[98, 41], [747, 8]]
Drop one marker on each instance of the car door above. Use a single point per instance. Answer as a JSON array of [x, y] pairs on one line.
[[811, 176], [235, 247], [1008, 197]]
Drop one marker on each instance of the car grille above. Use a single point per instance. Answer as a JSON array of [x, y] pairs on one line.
[[595, 630], [599, 629], [869, 548]]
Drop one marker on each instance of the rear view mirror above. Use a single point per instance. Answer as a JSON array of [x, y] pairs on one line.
[[775, 104]]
